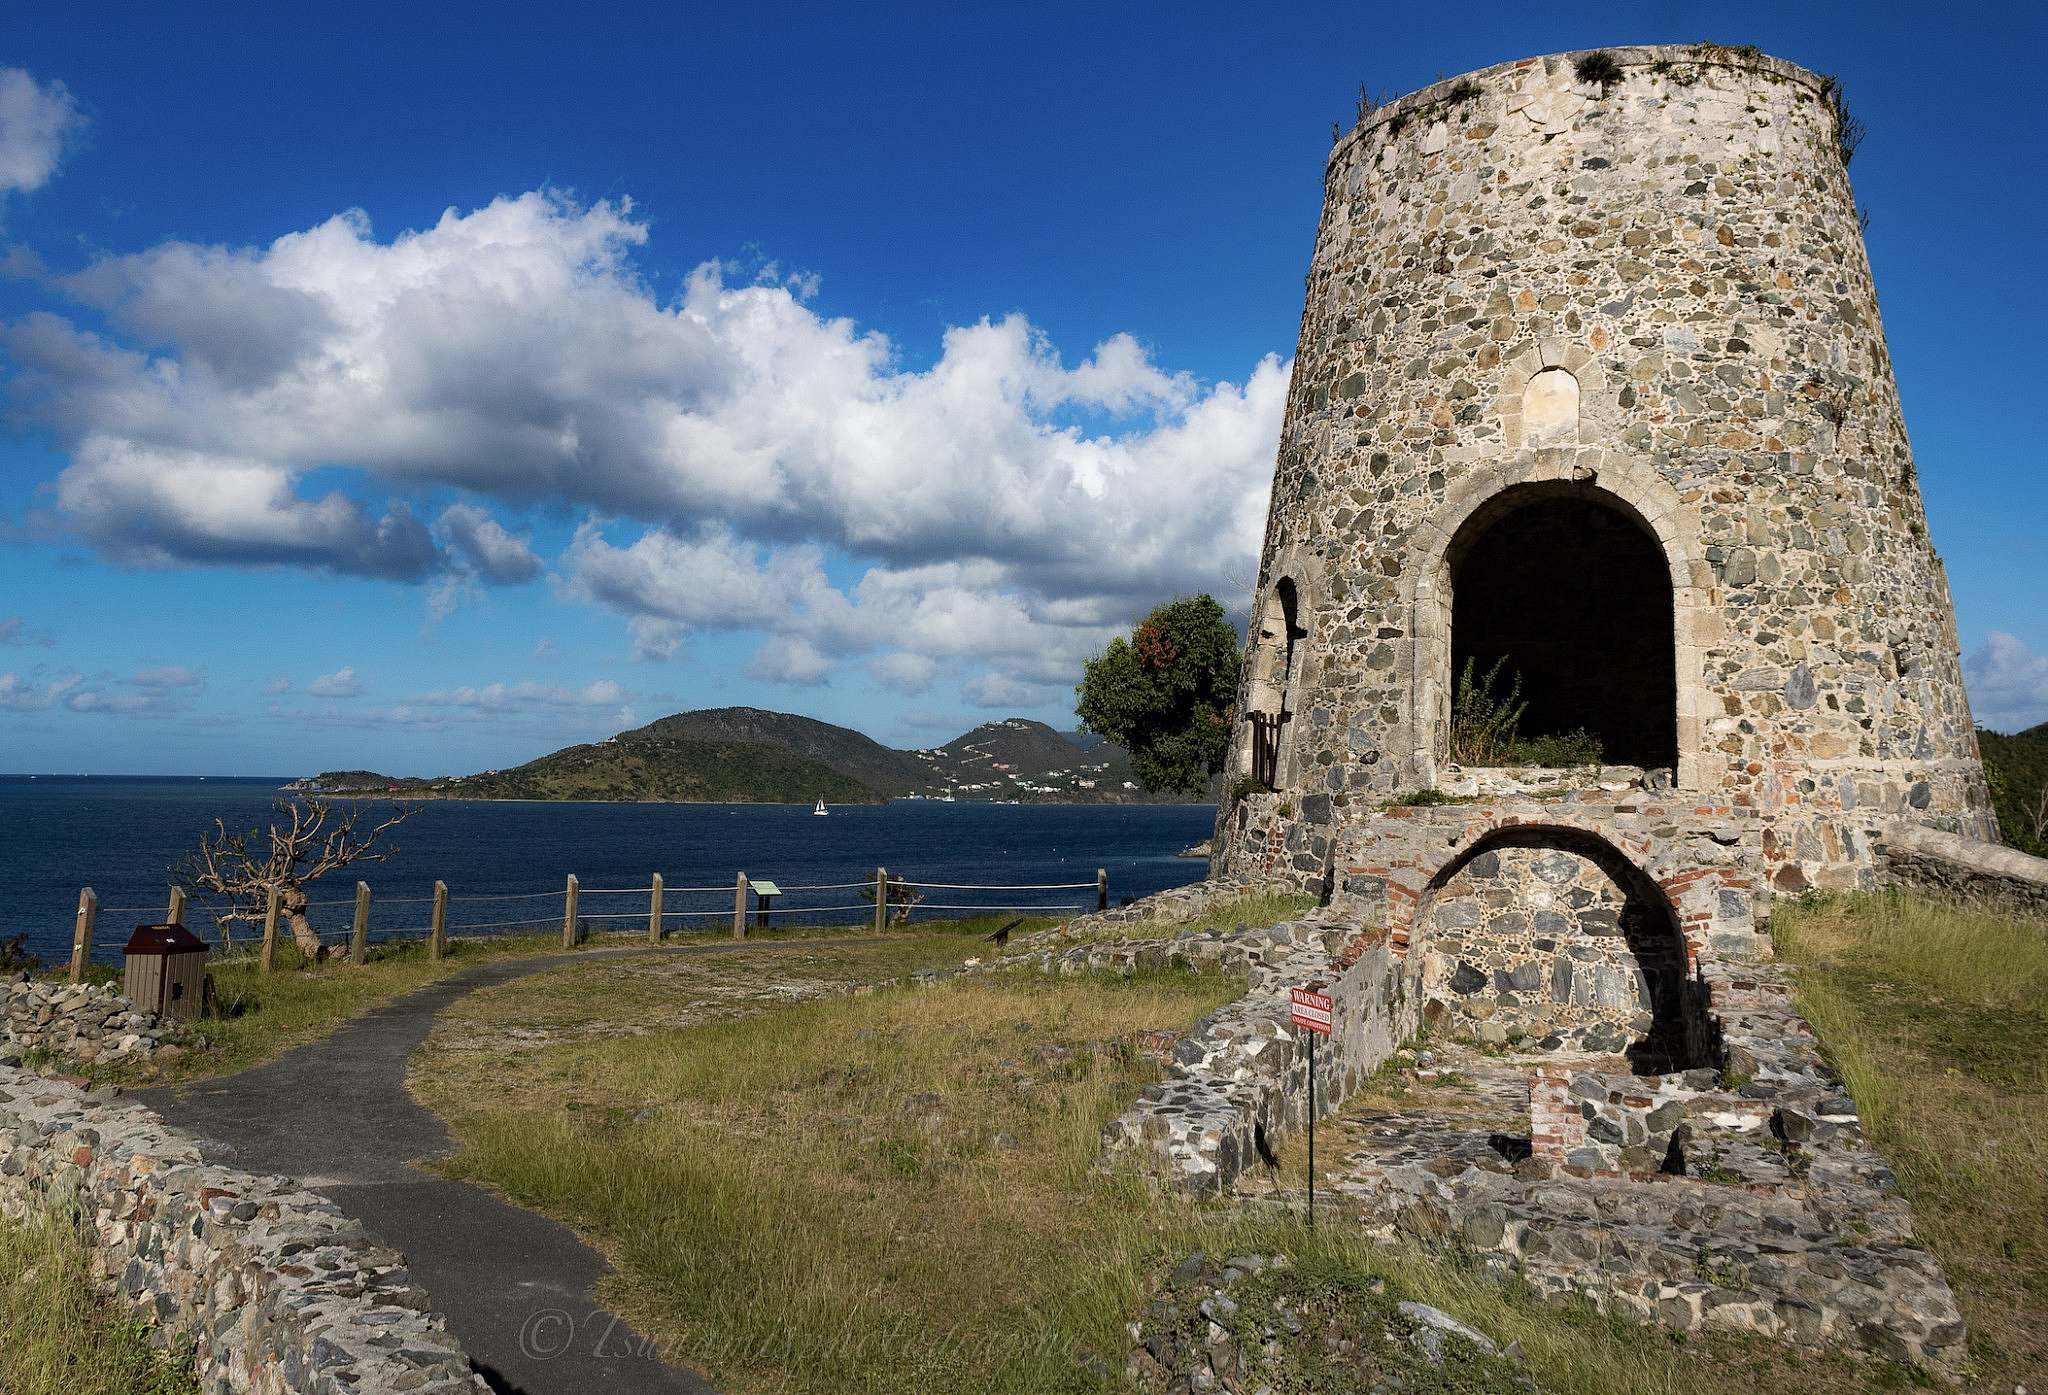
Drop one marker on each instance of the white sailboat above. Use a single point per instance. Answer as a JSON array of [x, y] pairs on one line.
[[820, 810]]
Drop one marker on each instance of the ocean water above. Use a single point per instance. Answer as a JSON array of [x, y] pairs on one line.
[[507, 862]]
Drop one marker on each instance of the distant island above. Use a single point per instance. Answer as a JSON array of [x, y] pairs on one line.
[[744, 755]]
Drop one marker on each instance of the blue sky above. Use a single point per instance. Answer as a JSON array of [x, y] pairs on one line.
[[428, 386]]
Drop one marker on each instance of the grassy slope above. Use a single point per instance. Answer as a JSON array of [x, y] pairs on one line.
[[58, 1336], [1938, 1021]]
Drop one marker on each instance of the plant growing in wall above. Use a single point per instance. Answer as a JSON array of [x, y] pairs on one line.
[[1165, 694], [1483, 723], [1599, 67]]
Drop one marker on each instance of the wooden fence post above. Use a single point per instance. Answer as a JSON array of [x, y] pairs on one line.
[[881, 899], [174, 914], [270, 928], [654, 912], [569, 912], [437, 932], [1102, 888], [359, 933], [739, 908], [81, 932]]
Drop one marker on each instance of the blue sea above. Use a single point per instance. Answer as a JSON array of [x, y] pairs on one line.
[[505, 863]]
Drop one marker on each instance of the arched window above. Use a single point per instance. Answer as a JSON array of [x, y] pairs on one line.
[[1550, 409], [1278, 671]]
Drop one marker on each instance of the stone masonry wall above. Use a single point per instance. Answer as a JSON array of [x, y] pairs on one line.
[[1950, 868], [1652, 296], [1243, 1067], [80, 1021], [277, 1289]]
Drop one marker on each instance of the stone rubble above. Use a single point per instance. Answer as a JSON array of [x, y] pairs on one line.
[[275, 1289], [81, 1022], [1233, 1326]]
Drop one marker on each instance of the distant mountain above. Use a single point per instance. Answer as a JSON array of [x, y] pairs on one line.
[[2018, 767], [743, 755]]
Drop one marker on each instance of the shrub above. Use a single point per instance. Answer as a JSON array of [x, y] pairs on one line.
[[1599, 66], [1482, 724], [1562, 750], [1420, 799]]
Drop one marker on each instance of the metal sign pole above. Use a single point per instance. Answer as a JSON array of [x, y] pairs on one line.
[[1311, 1130]]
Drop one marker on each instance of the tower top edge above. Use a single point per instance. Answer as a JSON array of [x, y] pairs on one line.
[[1710, 55]]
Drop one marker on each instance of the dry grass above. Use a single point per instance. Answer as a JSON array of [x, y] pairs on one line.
[[1937, 1019], [879, 1193], [58, 1336], [1258, 910]]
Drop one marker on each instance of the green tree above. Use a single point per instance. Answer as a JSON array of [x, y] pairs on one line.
[[1165, 694]]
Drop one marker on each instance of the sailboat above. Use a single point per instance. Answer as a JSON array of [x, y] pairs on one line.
[[820, 810]]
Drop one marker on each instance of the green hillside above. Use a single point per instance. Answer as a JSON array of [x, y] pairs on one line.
[[743, 755], [2018, 768]]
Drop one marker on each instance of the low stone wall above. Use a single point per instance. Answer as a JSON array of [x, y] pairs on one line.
[[1953, 868], [1243, 1068], [80, 1021], [277, 1290]]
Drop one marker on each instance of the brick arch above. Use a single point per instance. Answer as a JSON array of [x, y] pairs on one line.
[[1665, 945], [1612, 478]]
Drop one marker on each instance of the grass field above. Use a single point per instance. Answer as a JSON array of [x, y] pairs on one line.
[[58, 1336], [1938, 1020]]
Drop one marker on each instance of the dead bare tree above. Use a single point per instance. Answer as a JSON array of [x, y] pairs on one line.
[[306, 840], [2037, 815]]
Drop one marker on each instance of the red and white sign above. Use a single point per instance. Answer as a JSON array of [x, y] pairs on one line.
[[1311, 1008]]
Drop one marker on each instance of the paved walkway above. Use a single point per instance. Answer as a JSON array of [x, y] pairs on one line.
[[516, 1287]]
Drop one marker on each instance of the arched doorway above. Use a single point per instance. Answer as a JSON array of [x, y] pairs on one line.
[[1565, 586], [1551, 936]]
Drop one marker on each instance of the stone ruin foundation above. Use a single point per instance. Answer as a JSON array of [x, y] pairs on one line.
[[1591, 385]]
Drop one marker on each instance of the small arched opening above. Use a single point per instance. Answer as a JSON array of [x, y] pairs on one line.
[[1553, 939], [1270, 711], [1563, 586]]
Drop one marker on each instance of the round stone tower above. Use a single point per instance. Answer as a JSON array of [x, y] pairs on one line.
[[1591, 389]]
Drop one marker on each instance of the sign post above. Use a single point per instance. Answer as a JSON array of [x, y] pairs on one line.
[[1310, 1010]]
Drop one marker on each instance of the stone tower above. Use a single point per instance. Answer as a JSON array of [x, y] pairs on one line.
[[1591, 383]]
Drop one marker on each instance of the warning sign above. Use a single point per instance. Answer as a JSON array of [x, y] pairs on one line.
[[1311, 1008]]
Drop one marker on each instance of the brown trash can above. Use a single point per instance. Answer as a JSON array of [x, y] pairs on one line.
[[164, 971]]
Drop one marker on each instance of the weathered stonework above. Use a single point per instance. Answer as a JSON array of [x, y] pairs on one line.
[[80, 1022], [277, 1290], [1650, 1122], [1950, 868], [1640, 314]]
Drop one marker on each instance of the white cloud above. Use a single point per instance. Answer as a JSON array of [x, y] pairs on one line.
[[654, 640], [116, 704], [18, 694], [995, 690], [1011, 508], [278, 686], [2008, 683], [905, 672], [787, 659], [481, 544], [499, 697], [169, 676], [37, 121], [16, 630], [341, 683]]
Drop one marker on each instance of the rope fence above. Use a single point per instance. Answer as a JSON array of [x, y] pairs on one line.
[[756, 903]]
